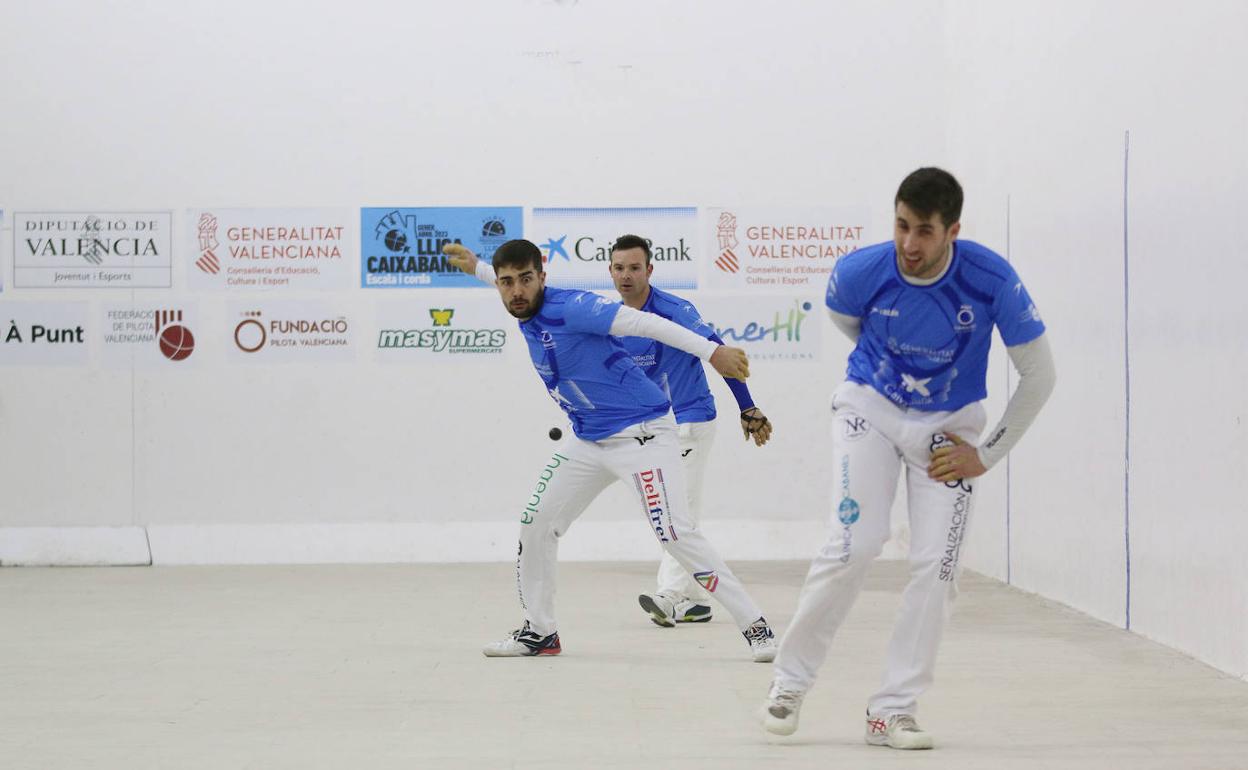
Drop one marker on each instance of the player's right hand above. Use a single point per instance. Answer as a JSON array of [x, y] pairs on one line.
[[461, 257], [731, 362]]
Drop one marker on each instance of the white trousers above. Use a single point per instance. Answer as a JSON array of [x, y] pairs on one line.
[[645, 457], [695, 439], [871, 441]]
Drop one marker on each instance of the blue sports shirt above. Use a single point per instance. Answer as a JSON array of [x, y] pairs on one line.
[[926, 347], [679, 374], [588, 373]]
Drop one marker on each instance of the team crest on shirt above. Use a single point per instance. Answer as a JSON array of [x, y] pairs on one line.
[[708, 580], [965, 319]]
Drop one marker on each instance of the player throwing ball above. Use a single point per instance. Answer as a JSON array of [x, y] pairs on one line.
[[921, 309], [624, 430]]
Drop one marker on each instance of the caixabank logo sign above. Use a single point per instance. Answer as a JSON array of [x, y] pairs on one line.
[[402, 247], [576, 243]]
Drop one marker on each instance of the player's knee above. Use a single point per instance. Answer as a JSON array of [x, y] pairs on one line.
[[849, 547], [540, 527]]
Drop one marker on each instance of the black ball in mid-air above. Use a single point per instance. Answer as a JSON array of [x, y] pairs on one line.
[[555, 434]]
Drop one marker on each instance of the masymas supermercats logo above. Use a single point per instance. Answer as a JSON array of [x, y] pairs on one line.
[[442, 337]]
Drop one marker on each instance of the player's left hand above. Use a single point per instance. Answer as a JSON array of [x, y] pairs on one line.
[[951, 463], [755, 424]]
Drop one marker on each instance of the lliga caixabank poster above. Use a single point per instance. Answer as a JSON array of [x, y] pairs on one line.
[[402, 247]]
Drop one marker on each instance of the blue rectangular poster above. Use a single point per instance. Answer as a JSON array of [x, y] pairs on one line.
[[402, 247]]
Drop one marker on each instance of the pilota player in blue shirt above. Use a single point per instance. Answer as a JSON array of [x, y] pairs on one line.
[[921, 310], [624, 430], [679, 598]]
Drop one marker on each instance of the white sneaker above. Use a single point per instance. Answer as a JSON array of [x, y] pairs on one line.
[[691, 611], [523, 642], [662, 608], [899, 731], [762, 641], [781, 709]]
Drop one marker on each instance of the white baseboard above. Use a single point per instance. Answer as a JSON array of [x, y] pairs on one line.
[[73, 546], [458, 542], [372, 543]]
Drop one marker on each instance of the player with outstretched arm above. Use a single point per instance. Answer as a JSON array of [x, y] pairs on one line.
[[623, 430], [679, 597]]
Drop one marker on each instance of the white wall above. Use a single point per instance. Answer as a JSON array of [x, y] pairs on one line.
[[132, 105], [1040, 100], [332, 104]]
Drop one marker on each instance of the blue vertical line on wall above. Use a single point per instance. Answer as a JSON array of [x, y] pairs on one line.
[[1126, 355], [1008, 571]]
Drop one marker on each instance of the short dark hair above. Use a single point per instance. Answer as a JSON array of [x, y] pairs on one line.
[[625, 242], [519, 254], [930, 191]]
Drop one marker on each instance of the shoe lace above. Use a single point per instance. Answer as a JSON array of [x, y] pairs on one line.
[[758, 632], [904, 722]]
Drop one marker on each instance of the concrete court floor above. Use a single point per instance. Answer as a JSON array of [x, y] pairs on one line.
[[380, 667]]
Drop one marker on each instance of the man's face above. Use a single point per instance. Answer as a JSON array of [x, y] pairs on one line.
[[630, 273], [521, 289], [922, 242]]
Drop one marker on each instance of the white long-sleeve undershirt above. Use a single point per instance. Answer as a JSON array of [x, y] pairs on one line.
[[1036, 378], [630, 322], [485, 272]]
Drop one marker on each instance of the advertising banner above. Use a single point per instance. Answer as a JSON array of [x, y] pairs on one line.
[[779, 249], [289, 331], [576, 244], [770, 327], [53, 333], [91, 250], [459, 330], [266, 249], [402, 247]]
